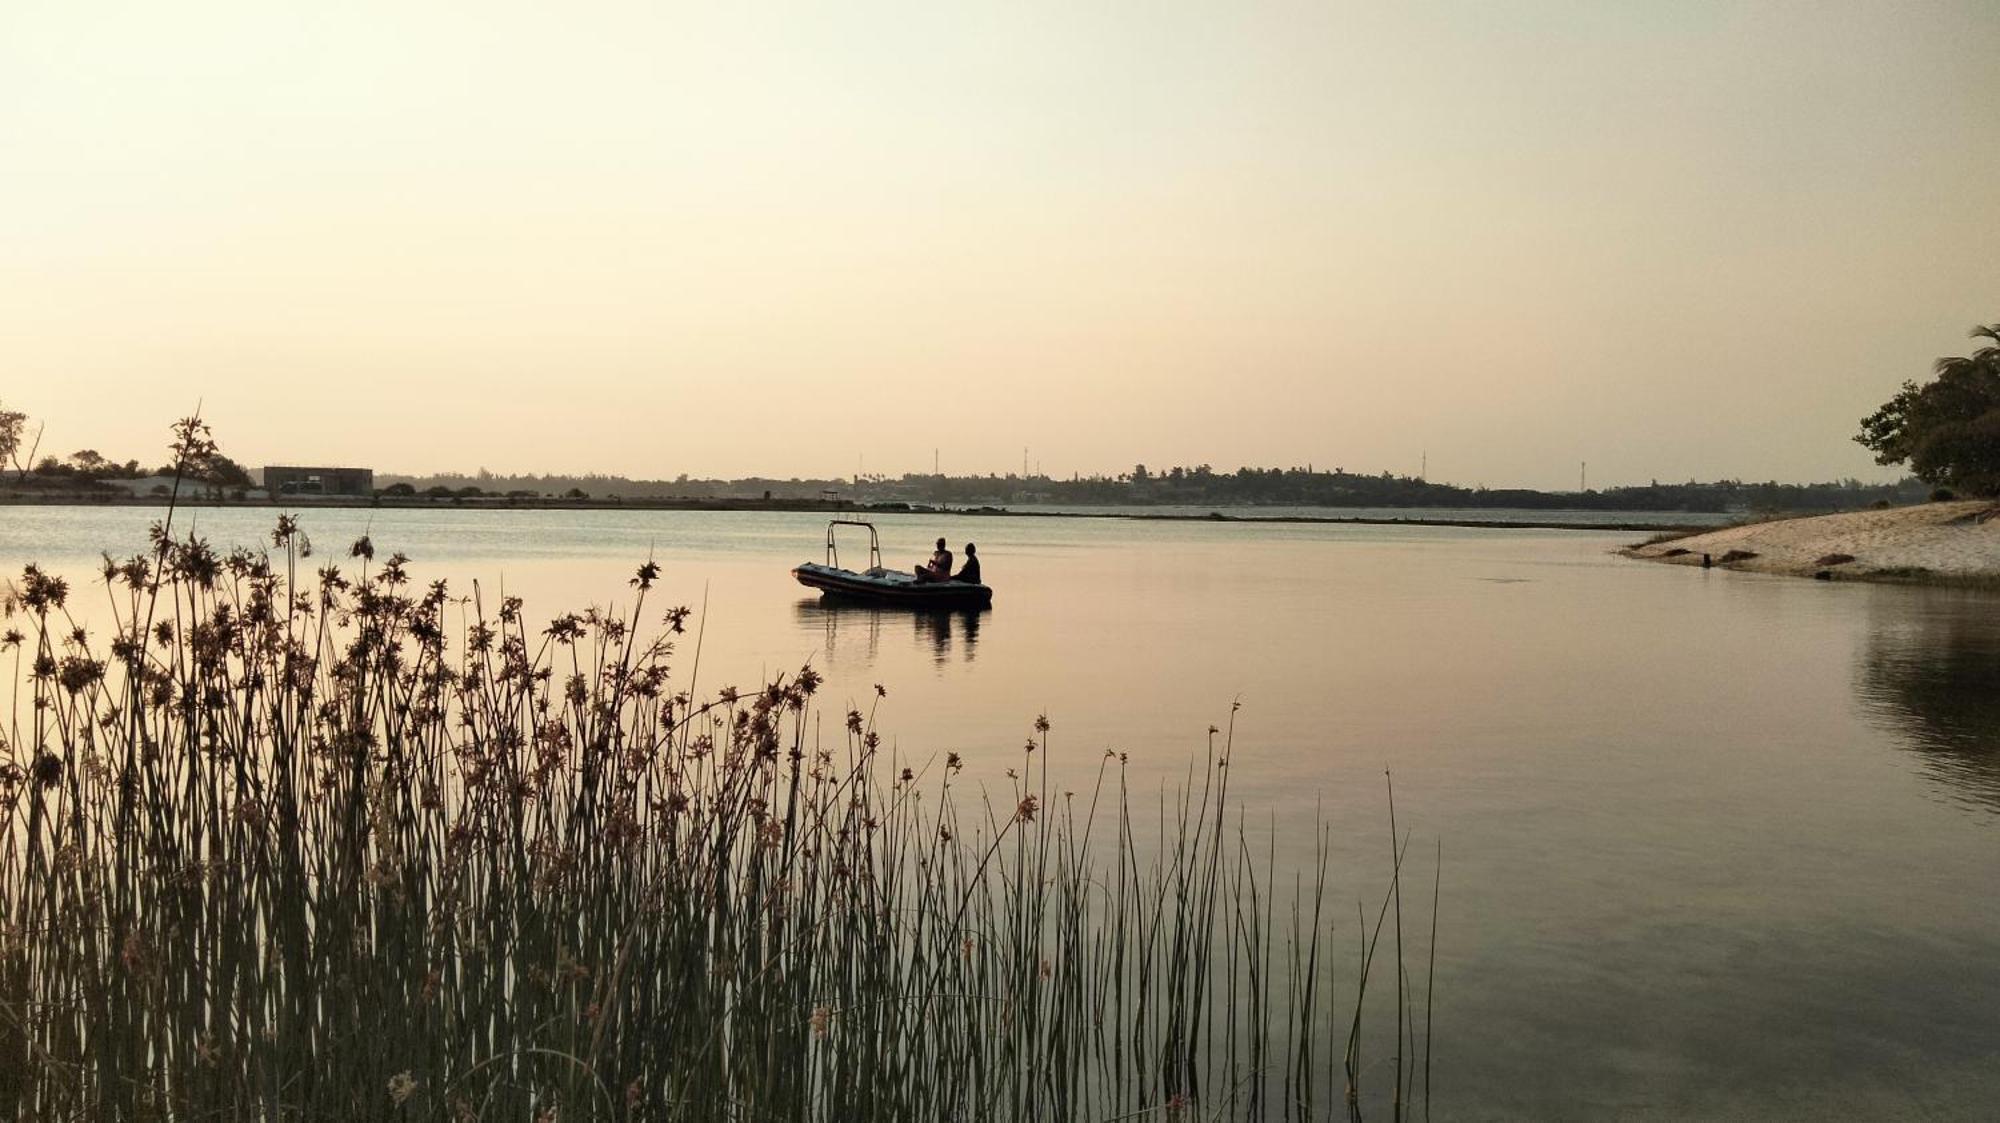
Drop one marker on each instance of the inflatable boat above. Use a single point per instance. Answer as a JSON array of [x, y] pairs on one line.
[[884, 586]]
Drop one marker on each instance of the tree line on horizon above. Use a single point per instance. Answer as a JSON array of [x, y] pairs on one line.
[[1199, 485], [1946, 430]]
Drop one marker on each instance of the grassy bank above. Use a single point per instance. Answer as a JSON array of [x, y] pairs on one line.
[[298, 840]]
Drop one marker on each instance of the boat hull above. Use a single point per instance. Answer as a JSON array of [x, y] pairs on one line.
[[886, 587]]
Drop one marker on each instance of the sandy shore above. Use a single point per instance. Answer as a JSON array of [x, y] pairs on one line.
[[1956, 543]]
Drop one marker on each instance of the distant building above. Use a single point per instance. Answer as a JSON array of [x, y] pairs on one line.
[[282, 480]]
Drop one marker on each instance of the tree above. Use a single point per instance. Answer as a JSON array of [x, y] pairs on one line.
[[13, 425], [1948, 429], [90, 463], [221, 471]]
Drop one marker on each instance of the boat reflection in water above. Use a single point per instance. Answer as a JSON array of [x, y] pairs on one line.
[[1931, 672], [856, 629]]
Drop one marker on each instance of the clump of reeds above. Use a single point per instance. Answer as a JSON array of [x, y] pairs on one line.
[[325, 843]]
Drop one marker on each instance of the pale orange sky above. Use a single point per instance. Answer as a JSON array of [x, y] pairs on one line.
[[1670, 239]]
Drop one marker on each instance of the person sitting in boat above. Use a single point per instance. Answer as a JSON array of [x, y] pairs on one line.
[[969, 572], [938, 568]]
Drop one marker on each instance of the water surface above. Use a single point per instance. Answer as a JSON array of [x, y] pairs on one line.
[[1713, 844]]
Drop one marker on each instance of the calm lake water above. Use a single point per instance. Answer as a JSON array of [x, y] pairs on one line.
[[1713, 844]]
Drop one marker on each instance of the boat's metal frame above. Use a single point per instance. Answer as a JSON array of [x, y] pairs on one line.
[[874, 543]]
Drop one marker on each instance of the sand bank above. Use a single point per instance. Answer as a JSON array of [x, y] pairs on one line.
[[1956, 543]]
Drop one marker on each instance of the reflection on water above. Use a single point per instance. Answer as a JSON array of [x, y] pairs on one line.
[[1931, 672], [853, 630]]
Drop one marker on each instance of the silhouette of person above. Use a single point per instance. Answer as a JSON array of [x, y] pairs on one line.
[[969, 572], [938, 568]]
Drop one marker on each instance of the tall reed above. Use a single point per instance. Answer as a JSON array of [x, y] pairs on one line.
[[323, 843]]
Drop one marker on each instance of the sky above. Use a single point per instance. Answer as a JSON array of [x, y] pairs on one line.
[[1671, 240]]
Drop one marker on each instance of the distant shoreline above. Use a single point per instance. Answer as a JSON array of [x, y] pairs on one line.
[[837, 507]]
